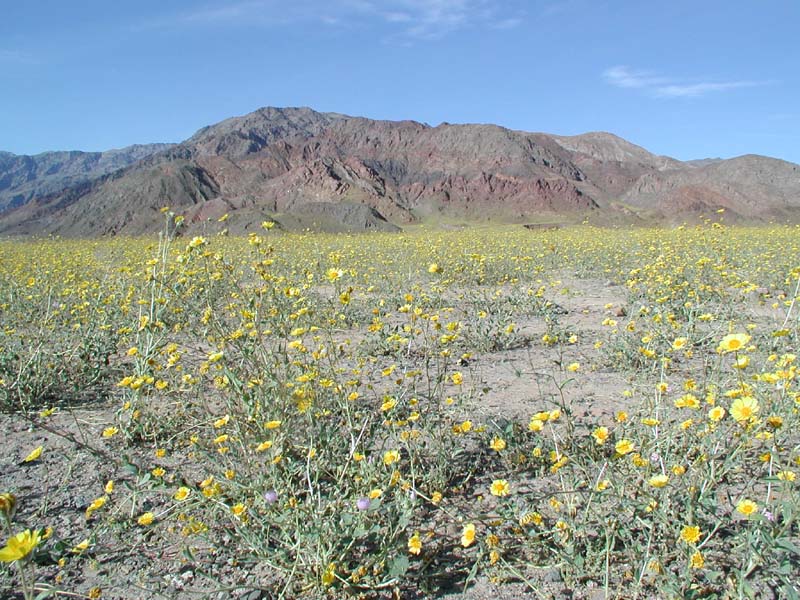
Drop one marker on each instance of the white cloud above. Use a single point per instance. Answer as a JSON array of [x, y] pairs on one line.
[[16, 57], [561, 7], [249, 12], [397, 17], [701, 89], [625, 77], [666, 87], [262, 13], [233, 12], [410, 19], [432, 18], [509, 23]]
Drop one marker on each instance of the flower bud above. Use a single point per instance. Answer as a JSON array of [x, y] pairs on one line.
[[8, 505]]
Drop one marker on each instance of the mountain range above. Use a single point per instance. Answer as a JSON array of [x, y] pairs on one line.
[[306, 169]]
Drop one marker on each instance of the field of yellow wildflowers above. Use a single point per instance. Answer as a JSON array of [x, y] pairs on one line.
[[577, 413]]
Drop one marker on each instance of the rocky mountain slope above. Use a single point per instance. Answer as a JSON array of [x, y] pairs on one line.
[[753, 187], [23, 178], [331, 171]]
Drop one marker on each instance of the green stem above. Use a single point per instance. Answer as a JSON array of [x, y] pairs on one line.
[[27, 589]]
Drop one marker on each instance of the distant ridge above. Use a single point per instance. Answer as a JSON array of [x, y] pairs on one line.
[[296, 165], [24, 178]]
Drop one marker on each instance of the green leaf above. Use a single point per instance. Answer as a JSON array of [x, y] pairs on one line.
[[790, 593], [128, 466], [788, 546], [399, 566], [403, 521], [714, 576]]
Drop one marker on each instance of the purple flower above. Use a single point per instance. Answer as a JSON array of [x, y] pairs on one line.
[[362, 504], [271, 496]]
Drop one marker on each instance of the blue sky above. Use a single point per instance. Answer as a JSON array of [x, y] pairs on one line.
[[689, 79]]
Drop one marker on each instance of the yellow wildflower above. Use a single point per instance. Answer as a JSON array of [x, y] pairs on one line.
[[744, 408], [679, 343], [498, 444], [468, 535], [531, 518], [775, 421], [500, 487], [746, 507], [390, 457], [535, 425], [624, 446], [415, 544], [600, 435], [690, 534], [687, 401], [329, 576], [19, 546], [733, 342], [35, 454], [716, 414], [658, 481], [96, 504]]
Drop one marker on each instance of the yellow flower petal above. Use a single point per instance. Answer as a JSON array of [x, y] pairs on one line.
[[36, 453]]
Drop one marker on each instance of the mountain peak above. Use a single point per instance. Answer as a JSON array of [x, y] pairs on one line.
[[605, 146], [338, 172]]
